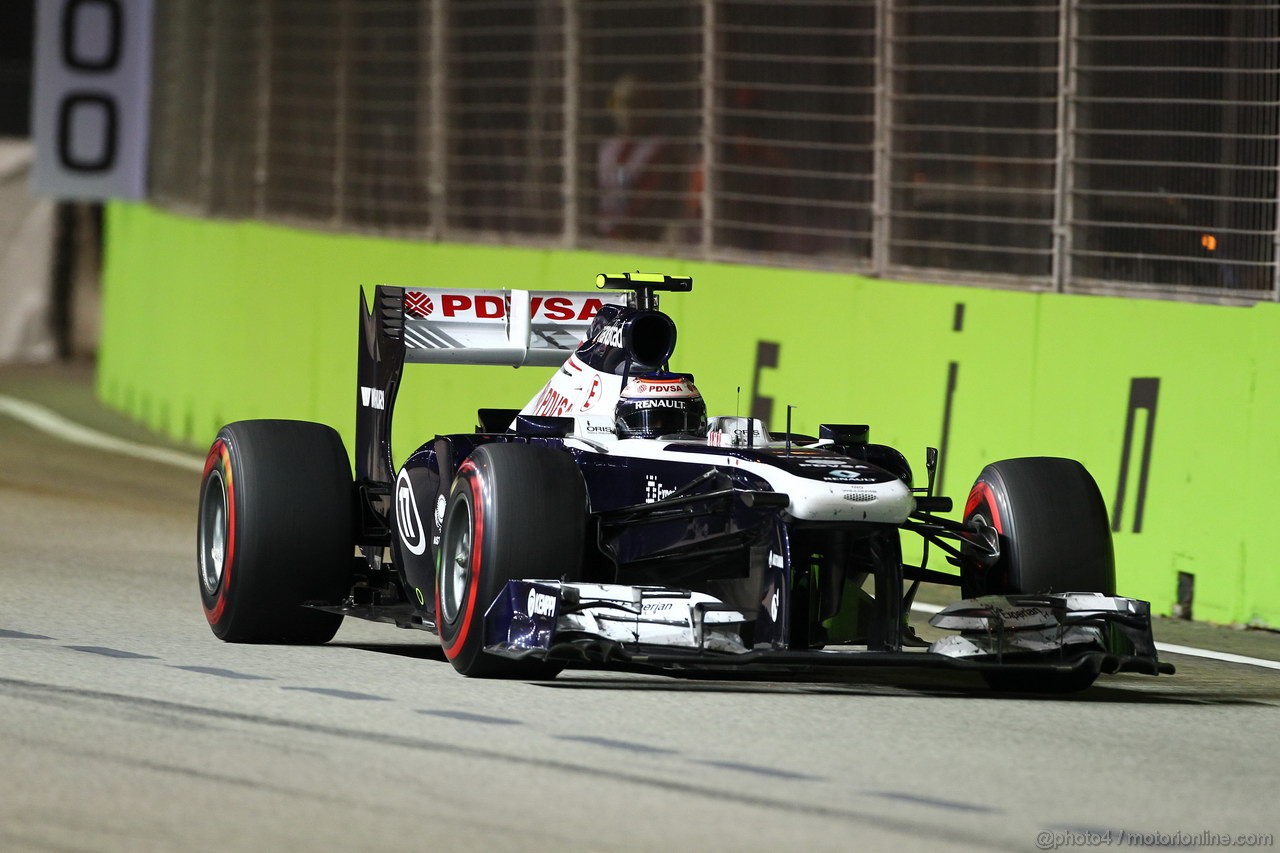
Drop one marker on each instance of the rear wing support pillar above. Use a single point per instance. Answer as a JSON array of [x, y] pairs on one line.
[[379, 363]]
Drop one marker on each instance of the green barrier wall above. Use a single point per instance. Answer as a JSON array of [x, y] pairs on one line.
[[207, 322]]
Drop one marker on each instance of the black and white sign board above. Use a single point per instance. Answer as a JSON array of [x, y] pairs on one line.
[[92, 98]]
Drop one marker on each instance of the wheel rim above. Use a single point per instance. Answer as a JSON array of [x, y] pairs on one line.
[[455, 569], [213, 532]]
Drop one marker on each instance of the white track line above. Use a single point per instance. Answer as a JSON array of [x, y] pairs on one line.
[[1191, 651], [1171, 648], [926, 608], [56, 425]]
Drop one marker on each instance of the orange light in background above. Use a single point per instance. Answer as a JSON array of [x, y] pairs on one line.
[[1209, 241]]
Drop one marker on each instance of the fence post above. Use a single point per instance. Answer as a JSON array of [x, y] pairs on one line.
[[882, 166], [569, 146], [438, 116], [710, 125], [1275, 258], [1063, 179], [208, 106], [262, 135], [342, 112]]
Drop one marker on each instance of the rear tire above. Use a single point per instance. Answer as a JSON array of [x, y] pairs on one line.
[[274, 531], [515, 511], [1054, 537]]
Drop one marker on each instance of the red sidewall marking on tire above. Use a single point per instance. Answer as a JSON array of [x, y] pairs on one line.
[[213, 457], [477, 545], [219, 455], [981, 494]]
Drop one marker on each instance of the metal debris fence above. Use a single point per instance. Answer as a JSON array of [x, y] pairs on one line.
[[1104, 146]]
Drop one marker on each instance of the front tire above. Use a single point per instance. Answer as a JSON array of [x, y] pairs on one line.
[[1052, 522], [274, 531], [1054, 537], [515, 511]]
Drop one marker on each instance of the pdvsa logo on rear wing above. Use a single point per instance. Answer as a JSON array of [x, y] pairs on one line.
[[515, 327], [462, 306]]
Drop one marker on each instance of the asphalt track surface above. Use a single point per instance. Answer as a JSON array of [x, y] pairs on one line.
[[125, 725]]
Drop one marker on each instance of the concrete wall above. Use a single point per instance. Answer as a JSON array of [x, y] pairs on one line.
[[26, 250], [207, 322]]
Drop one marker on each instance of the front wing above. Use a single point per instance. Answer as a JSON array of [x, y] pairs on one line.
[[668, 629]]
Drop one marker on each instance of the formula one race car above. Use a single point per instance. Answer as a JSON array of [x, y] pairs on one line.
[[610, 522]]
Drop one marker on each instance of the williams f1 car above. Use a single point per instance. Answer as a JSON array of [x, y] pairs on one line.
[[610, 522]]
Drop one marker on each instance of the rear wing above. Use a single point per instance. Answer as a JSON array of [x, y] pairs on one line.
[[455, 326], [512, 327]]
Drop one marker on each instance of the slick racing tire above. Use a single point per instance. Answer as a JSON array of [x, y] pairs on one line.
[[1054, 537], [514, 511], [274, 531], [1054, 533]]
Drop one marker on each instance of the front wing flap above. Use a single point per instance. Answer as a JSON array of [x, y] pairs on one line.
[[1003, 625], [537, 616]]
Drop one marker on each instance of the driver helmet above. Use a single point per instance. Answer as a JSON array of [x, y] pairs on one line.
[[660, 404]]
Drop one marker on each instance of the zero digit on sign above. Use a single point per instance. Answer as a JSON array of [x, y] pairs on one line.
[[74, 112], [88, 120], [74, 38]]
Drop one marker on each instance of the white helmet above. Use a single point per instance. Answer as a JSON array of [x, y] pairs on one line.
[[660, 404]]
